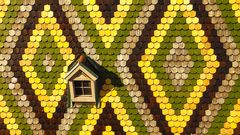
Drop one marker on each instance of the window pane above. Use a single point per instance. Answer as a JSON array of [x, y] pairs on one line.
[[78, 91], [86, 83], [87, 91], [77, 84]]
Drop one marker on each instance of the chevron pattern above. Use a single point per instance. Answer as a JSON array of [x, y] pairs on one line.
[[171, 66]]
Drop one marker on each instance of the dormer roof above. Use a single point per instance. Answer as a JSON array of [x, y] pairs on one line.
[[84, 64]]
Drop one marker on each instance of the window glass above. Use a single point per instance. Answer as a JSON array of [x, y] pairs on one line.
[[87, 91], [86, 83]]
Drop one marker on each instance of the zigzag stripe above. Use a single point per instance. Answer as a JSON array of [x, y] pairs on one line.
[[147, 33], [19, 20], [222, 71], [17, 52]]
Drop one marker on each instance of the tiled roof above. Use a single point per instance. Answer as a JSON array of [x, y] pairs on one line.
[[166, 66]]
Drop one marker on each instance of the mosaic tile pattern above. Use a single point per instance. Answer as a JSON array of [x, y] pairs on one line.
[[169, 66]]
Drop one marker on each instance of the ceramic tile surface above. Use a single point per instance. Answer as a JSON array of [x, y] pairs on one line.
[[168, 66]]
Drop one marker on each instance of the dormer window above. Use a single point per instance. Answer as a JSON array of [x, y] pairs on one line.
[[82, 80]]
